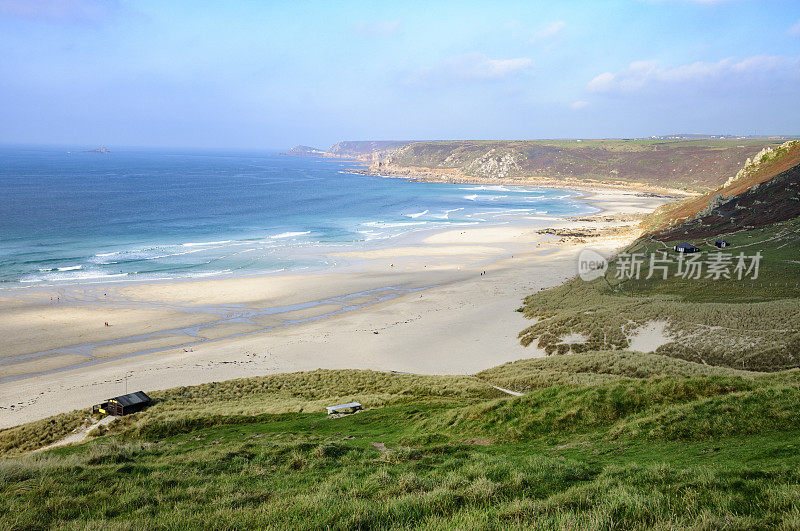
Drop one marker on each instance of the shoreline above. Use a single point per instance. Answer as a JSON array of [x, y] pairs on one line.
[[456, 176], [299, 249], [582, 194], [404, 309]]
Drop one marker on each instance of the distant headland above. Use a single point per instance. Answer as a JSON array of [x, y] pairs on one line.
[[102, 149], [304, 151], [689, 163]]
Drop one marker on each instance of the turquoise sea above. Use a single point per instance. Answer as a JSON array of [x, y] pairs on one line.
[[69, 216]]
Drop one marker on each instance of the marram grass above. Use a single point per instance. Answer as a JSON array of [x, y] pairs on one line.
[[653, 442]]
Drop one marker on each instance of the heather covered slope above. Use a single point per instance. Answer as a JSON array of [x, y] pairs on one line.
[[764, 192], [693, 165]]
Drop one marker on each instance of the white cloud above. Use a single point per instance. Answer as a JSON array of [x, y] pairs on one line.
[[469, 67], [548, 32], [641, 75], [580, 104], [382, 27], [795, 30], [631, 78]]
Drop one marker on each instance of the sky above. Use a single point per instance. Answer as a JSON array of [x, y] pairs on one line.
[[273, 74]]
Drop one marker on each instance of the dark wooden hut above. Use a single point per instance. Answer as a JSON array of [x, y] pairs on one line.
[[124, 405], [686, 248]]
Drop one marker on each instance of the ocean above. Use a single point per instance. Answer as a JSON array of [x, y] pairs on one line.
[[69, 216]]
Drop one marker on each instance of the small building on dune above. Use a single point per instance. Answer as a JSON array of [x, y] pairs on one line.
[[350, 407], [124, 405], [721, 244], [686, 248]]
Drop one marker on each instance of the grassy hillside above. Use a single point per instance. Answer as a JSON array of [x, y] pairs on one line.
[[243, 399], [664, 443], [697, 165], [726, 319], [744, 324], [595, 368]]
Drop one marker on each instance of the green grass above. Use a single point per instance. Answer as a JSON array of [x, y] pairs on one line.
[[748, 324], [671, 408], [778, 278], [665, 443], [34, 435], [238, 401], [595, 368]]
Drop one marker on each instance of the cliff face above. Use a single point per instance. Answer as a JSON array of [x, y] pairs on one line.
[[765, 191], [304, 151], [368, 151], [691, 165], [364, 149]]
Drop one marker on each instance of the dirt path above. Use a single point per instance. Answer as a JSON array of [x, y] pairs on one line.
[[79, 435], [508, 391]]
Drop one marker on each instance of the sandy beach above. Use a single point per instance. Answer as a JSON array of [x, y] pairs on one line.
[[424, 305]]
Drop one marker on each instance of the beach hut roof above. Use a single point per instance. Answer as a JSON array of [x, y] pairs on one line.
[[132, 399]]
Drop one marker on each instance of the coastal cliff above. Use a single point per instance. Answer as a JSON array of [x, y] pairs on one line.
[[763, 192], [369, 151], [683, 165], [304, 151], [691, 166], [365, 149]]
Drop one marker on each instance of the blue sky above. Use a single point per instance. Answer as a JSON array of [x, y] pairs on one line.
[[274, 74]]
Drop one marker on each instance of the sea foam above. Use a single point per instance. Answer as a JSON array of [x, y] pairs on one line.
[[289, 235], [198, 244]]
